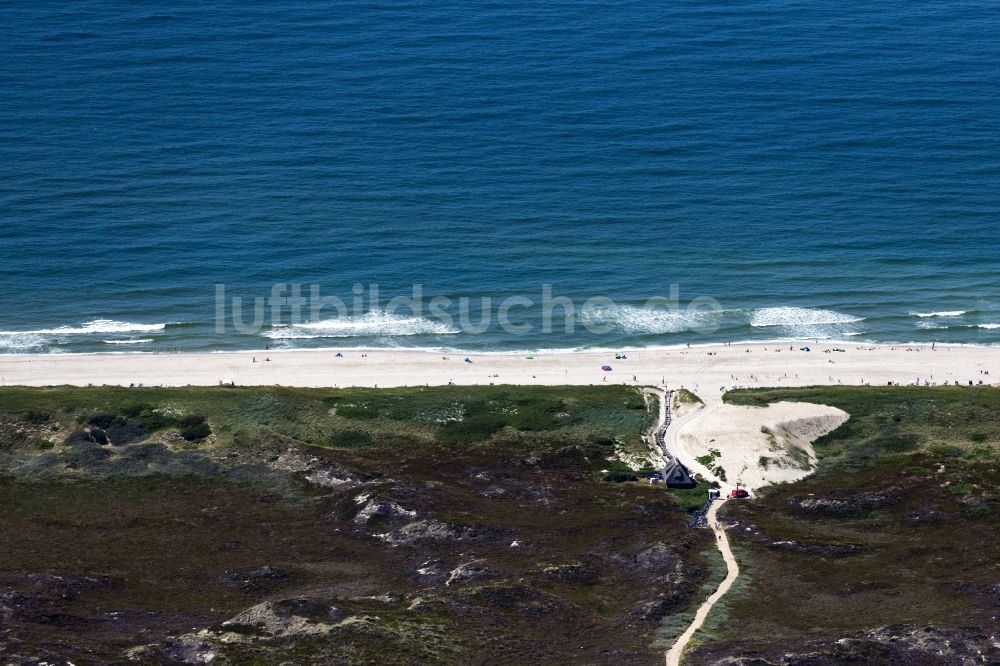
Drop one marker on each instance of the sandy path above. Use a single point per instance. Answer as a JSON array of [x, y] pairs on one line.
[[732, 571], [677, 449], [676, 446]]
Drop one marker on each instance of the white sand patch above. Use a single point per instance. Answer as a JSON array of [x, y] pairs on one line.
[[760, 445]]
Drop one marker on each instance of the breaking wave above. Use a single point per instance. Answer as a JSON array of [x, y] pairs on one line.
[[948, 313], [95, 326], [806, 322], [41, 339], [21, 342], [793, 317], [955, 327], [632, 319], [373, 324]]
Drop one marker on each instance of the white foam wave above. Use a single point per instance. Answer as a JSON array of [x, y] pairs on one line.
[[372, 324], [947, 313], [632, 319], [928, 326], [807, 322], [96, 326], [141, 341], [793, 317], [21, 342]]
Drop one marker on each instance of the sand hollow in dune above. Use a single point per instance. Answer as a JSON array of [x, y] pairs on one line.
[[760, 445]]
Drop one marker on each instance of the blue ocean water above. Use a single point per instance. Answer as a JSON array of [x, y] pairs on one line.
[[819, 169]]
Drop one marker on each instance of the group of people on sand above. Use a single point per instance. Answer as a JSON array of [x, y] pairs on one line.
[[267, 359], [929, 382]]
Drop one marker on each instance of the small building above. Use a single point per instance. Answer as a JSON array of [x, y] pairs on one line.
[[675, 475]]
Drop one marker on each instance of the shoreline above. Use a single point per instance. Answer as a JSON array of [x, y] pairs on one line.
[[548, 351], [706, 368]]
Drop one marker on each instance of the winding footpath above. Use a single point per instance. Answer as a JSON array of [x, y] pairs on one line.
[[673, 656], [733, 570]]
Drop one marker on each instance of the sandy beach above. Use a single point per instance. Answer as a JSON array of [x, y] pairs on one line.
[[705, 370]]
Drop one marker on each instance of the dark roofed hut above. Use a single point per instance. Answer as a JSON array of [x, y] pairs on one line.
[[675, 475]]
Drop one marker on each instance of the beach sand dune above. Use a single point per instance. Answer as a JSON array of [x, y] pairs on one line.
[[754, 446]]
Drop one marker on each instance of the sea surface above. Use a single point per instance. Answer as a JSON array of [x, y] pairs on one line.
[[770, 169]]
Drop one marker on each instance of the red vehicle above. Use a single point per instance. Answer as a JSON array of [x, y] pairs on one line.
[[739, 493]]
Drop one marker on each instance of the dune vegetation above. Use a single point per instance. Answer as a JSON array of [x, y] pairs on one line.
[[888, 553], [448, 525]]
